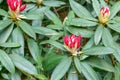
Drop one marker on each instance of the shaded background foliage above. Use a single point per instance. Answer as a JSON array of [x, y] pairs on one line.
[[33, 49]]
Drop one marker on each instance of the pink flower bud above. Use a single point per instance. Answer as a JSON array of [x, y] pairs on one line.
[[104, 15], [16, 5], [72, 41]]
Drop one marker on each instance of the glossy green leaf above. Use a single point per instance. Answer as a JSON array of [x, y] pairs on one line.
[[82, 22], [77, 64], [10, 44], [41, 77], [80, 31], [114, 9], [81, 11], [53, 17], [108, 76], [98, 51], [5, 33], [100, 63], [88, 72], [115, 27], [53, 3], [3, 12], [7, 62], [5, 23], [96, 6], [61, 69], [34, 50], [109, 42], [98, 34], [54, 43], [17, 36], [23, 64], [44, 31], [16, 76], [51, 60], [73, 75], [27, 29]]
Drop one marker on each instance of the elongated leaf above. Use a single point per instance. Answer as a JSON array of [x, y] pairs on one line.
[[108, 76], [88, 72], [98, 51], [53, 3], [100, 63], [16, 76], [61, 69], [81, 11], [34, 50], [4, 34], [53, 17], [51, 61], [77, 64], [80, 31], [109, 42], [114, 9], [82, 22], [3, 12], [96, 6], [54, 43], [27, 29], [98, 34], [73, 75], [12, 44], [115, 27], [5, 23], [17, 36], [23, 64], [44, 31], [6, 61]]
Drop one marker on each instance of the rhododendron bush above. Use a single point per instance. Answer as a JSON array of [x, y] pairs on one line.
[[59, 40]]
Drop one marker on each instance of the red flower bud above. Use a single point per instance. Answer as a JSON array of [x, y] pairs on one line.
[[16, 5], [72, 41], [104, 15]]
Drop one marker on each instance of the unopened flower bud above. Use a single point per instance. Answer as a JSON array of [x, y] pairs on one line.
[[104, 15], [72, 43]]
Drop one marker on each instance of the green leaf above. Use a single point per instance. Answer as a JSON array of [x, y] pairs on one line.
[[41, 77], [88, 72], [53, 17], [17, 36], [77, 64], [89, 44], [6, 61], [73, 75], [108, 76], [34, 50], [5, 23], [10, 44], [23, 64], [61, 69], [51, 60], [69, 17], [81, 11], [16, 76], [96, 6], [98, 51], [114, 9], [53, 3], [98, 34], [44, 31], [115, 27], [3, 12], [27, 29], [80, 31], [54, 43], [82, 22], [100, 63], [4, 34]]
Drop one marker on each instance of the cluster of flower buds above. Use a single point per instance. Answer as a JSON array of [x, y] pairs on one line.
[[104, 15], [15, 7], [72, 43]]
